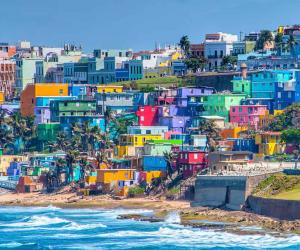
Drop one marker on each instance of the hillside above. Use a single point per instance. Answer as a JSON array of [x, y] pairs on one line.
[[279, 186]]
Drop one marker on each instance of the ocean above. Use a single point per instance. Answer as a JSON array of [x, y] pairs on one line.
[[54, 228]]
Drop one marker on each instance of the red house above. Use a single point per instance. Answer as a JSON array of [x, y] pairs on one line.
[[191, 162], [147, 115]]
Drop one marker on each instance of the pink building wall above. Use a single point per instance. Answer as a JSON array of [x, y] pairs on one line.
[[246, 115]]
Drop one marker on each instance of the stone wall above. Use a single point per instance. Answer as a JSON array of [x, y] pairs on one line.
[[280, 209]]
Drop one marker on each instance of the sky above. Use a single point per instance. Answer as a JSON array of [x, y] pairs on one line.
[[136, 24]]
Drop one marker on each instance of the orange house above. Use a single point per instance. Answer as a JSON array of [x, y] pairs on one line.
[[2, 98], [32, 91]]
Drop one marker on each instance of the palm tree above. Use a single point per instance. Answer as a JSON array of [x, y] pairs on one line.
[[101, 157], [71, 158], [184, 44], [59, 167], [265, 37], [170, 157], [291, 43], [212, 132]]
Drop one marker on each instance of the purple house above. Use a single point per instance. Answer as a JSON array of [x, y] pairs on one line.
[[41, 115], [171, 110], [177, 123], [184, 92]]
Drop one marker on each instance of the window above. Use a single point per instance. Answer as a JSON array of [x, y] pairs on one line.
[[61, 91], [195, 156], [279, 95], [186, 156], [65, 104], [142, 118]]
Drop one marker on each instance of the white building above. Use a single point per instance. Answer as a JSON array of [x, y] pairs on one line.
[[216, 46]]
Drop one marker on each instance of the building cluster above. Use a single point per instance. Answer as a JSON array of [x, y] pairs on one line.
[[60, 87]]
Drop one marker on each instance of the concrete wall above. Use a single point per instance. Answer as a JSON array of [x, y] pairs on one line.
[[225, 191], [280, 209], [218, 191]]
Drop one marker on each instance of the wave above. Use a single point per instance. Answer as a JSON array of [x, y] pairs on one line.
[[77, 227], [205, 238], [15, 244], [173, 218], [38, 220]]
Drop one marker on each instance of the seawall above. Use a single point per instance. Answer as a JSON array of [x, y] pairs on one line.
[[275, 208]]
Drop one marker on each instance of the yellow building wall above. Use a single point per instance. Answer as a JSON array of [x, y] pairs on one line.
[[2, 98], [5, 161], [153, 175], [51, 89], [139, 140], [107, 176], [110, 89]]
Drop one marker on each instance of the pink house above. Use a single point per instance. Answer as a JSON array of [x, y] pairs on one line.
[[247, 115]]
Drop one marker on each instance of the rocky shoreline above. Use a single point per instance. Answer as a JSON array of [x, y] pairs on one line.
[[237, 222], [199, 217]]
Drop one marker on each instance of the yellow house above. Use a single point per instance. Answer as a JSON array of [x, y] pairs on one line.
[[2, 98], [5, 161], [150, 175], [269, 143], [125, 150], [109, 89], [137, 140], [265, 119], [107, 176]]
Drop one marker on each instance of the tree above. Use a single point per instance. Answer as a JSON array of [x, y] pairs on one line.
[[194, 63], [170, 157], [265, 37], [292, 136], [229, 61], [212, 132], [291, 43], [184, 44], [290, 118], [279, 43], [71, 158]]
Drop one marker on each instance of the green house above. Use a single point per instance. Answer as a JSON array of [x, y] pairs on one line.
[[219, 104], [72, 108], [242, 86], [158, 147]]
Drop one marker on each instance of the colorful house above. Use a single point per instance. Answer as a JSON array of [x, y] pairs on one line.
[[269, 143], [147, 130], [5, 161], [191, 162], [137, 140], [242, 86], [70, 108], [247, 115], [159, 147], [219, 104], [32, 91], [154, 163], [147, 115], [109, 89]]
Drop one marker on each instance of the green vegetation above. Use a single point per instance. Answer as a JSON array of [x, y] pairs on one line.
[[134, 191], [265, 37], [148, 84], [279, 186], [288, 119]]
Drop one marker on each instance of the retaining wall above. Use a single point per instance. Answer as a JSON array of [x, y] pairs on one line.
[[280, 209]]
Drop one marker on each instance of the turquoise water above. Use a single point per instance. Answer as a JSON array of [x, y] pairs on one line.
[[54, 228]]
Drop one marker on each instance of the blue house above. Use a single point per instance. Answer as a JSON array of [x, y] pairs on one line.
[[102, 71], [131, 70], [178, 68], [241, 144], [154, 163]]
